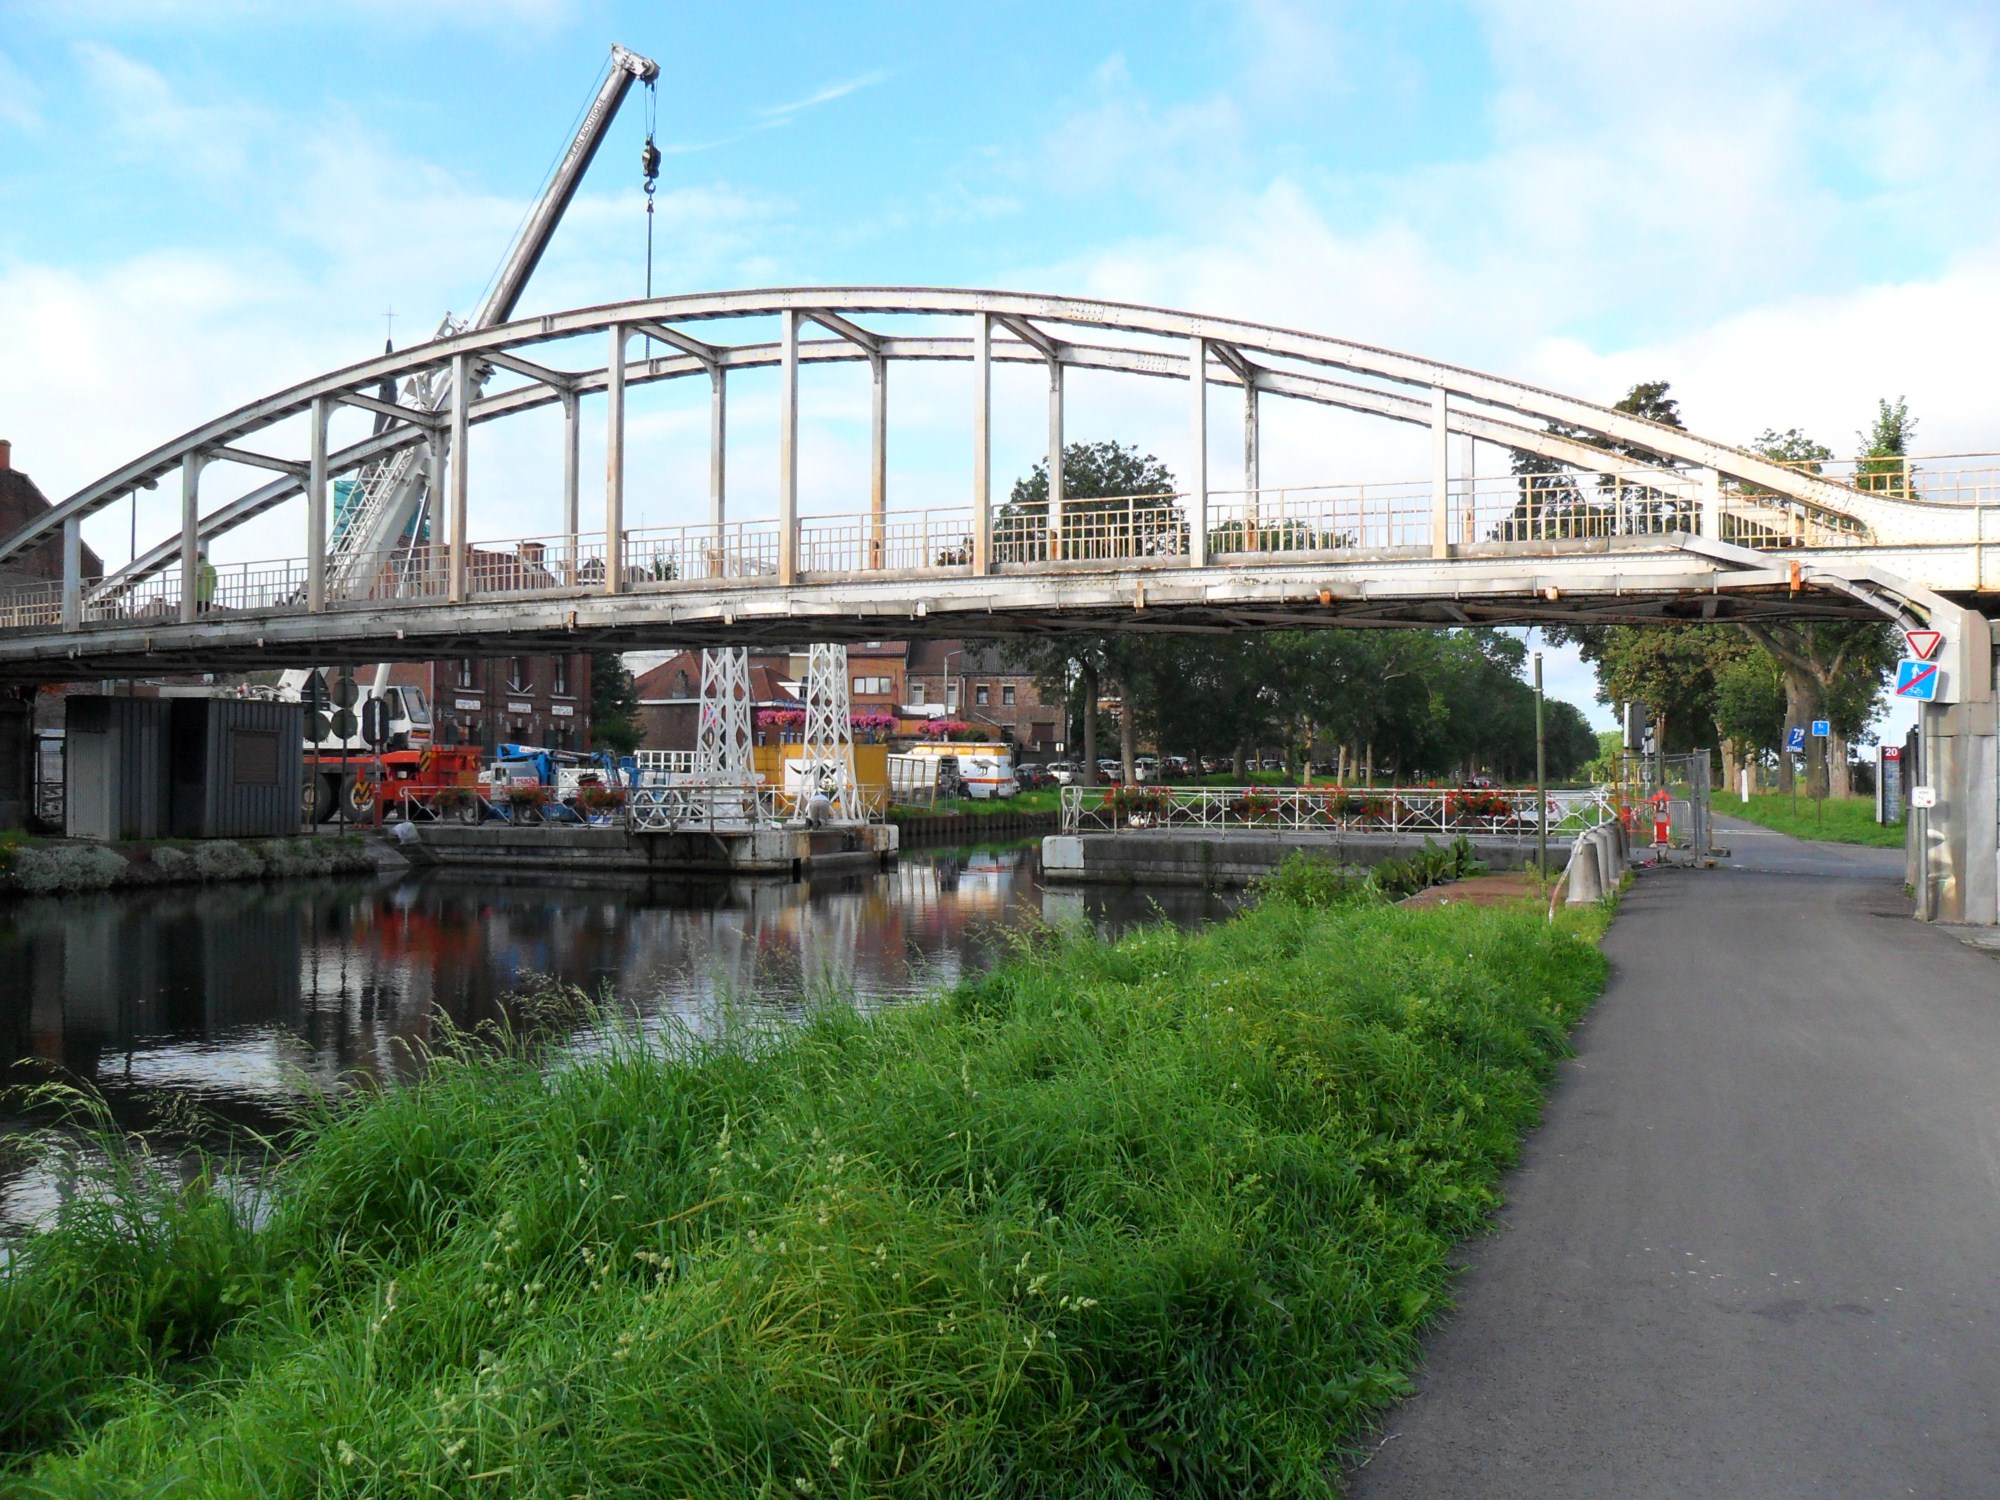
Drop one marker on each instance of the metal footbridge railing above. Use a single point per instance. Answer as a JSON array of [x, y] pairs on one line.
[[1446, 811]]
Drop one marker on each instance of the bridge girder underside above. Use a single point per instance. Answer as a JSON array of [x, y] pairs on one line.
[[1159, 603]]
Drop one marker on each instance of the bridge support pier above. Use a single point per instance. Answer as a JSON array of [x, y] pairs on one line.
[[1958, 849]]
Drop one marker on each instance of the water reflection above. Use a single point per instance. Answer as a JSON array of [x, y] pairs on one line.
[[237, 998]]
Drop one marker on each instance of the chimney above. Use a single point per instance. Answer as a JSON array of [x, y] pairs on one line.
[[6, 455]]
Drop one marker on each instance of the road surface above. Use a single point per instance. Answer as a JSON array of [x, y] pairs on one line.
[[1754, 1249]]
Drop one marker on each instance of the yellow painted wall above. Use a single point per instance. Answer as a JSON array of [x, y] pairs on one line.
[[871, 765]]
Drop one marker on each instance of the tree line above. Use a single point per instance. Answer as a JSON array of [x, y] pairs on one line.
[[1407, 704], [1421, 704]]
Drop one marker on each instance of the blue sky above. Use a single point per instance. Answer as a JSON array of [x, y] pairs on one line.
[[1787, 209]]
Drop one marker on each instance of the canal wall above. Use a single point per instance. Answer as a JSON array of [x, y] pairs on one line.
[[920, 829], [1217, 858], [790, 853], [50, 867]]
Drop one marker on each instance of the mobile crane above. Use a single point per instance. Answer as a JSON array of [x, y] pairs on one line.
[[386, 507]]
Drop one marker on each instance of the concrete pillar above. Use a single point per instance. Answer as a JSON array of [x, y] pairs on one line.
[[614, 461], [460, 461], [982, 444], [788, 452], [718, 445], [878, 456], [438, 460], [572, 479], [1959, 843], [316, 485], [1608, 871], [1253, 462], [190, 534], [72, 573], [1440, 475], [1055, 459], [1198, 456], [1585, 878]]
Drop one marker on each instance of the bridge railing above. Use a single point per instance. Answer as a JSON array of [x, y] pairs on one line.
[[701, 552], [395, 575], [909, 540], [1312, 518], [36, 606], [155, 598], [1447, 811], [1125, 528], [701, 807]]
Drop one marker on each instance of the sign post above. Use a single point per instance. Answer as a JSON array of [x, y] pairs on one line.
[[1541, 780]]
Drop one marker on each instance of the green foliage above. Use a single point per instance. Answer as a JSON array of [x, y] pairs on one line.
[[1311, 883], [1833, 820], [1163, 1216], [1885, 446], [614, 705], [1429, 866]]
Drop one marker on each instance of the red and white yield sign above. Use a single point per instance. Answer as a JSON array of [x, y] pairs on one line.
[[1924, 643]]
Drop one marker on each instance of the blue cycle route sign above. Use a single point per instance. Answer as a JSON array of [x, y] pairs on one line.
[[1916, 679], [1821, 729], [1795, 738]]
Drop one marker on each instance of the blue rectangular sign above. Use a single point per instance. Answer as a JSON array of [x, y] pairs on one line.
[[1916, 679], [1795, 738], [1821, 729]]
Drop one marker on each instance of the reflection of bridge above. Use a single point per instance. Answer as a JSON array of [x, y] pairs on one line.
[[1635, 521]]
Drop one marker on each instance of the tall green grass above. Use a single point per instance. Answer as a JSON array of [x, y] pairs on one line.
[[1834, 820], [1159, 1216]]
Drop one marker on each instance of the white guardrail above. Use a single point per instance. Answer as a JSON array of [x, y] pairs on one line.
[[1496, 812]]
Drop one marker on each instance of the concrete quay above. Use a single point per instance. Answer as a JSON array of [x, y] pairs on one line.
[[1235, 857], [771, 850]]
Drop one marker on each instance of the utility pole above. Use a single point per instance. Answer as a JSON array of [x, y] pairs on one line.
[[1541, 778]]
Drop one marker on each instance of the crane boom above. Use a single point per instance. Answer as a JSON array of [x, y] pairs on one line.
[[541, 226]]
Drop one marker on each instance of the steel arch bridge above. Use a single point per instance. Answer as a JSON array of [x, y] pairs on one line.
[[1632, 521]]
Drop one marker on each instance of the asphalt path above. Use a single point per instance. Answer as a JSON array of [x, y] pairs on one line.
[[1754, 1248]]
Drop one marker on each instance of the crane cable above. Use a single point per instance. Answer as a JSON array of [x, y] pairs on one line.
[[649, 166]]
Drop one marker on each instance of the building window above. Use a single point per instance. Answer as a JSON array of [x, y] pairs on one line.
[[518, 675], [876, 686], [980, 695], [916, 692], [1007, 694], [465, 671], [681, 684], [560, 687]]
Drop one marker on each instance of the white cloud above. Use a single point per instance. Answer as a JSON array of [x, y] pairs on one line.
[[780, 114]]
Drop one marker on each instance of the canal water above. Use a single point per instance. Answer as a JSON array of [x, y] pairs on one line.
[[238, 999]]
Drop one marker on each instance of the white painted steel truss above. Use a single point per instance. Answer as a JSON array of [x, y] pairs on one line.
[[1443, 811], [1689, 529]]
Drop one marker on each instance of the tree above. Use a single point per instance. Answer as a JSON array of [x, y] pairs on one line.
[[1885, 448], [614, 705], [1099, 480]]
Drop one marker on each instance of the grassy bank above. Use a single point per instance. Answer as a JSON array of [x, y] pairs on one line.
[[1043, 799], [1159, 1216], [1838, 820]]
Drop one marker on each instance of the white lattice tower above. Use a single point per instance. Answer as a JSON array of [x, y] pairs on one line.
[[722, 745], [828, 751]]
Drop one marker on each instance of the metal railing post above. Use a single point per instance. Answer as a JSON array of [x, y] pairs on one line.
[[459, 462], [1198, 455], [982, 444], [191, 466], [1252, 464], [316, 509], [72, 573], [718, 447], [614, 461], [788, 452], [1440, 475], [572, 463], [878, 455], [1055, 458]]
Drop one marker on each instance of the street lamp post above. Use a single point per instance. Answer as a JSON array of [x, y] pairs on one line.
[[1541, 778]]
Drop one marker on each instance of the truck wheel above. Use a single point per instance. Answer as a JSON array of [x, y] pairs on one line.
[[469, 812], [360, 799], [322, 792]]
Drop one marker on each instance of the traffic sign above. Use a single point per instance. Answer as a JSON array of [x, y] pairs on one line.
[[1795, 738], [1821, 729], [1923, 796], [1916, 679], [375, 722], [343, 724], [1924, 643], [344, 691]]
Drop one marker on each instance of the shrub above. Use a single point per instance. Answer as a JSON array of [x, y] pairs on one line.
[[1311, 882], [225, 859], [1429, 866], [46, 868]]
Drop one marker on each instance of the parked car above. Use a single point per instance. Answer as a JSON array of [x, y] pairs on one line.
[[1061, 772], [1033, 777]]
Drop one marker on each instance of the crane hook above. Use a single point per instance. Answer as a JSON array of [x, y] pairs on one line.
[[649, 164]]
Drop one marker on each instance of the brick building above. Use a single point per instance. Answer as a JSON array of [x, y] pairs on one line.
[[20, 503], [488, 701], [670, 696], [974, 683]]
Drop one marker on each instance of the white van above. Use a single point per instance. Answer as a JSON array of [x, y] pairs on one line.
[[987, 770]]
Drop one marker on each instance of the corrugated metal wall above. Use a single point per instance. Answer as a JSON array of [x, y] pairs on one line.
[[117, 775], [196, 768]]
